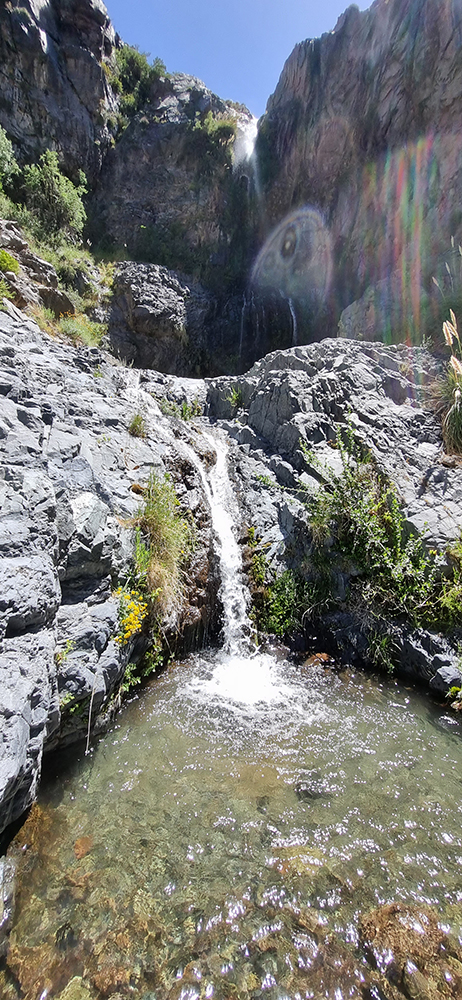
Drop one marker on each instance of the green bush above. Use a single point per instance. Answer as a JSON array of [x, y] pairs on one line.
[[8, 263], [210, 140], [360, 510], [283, 606], [8, 165], [53, 200], [131, 77], [81, 329]]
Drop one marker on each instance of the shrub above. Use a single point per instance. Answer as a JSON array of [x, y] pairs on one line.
[[81, 329], [8, 263], [210, 140], [8, 165], [54, 200], [359, 508], [131, 76], [446, 393]]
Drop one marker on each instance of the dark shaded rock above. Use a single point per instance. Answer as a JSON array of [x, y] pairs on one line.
[[445, 678], [158, 319]]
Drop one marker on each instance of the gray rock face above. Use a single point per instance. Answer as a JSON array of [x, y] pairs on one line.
[[54, 90], [305, 395], [66, 499], [36, 282], [158, 319], [165, 190], [362, 122]]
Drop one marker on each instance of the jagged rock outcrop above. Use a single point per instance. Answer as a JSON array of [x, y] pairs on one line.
[[54, 91], [365, 126], [71, 479], [36, 282], [305, 395], [158, 319]]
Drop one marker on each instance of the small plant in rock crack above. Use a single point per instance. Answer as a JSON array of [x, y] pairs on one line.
[[8, 262], [234, 397], [133, 611], [162, 543], [446, 393], [137, 426], [184, 411], [62, 654]]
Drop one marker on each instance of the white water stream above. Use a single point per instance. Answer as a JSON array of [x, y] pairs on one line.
[[294, 324], [238, 673]]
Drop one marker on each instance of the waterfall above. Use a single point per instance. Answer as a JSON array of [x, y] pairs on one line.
[[241, 336], [244, 152], [224, 513], [294, 323]]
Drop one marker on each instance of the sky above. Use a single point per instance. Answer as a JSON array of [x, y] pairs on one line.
[[237, 47]]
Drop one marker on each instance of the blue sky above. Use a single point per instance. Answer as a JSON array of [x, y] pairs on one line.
[[237, 48]]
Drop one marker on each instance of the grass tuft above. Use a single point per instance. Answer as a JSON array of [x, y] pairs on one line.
[[163, 539]]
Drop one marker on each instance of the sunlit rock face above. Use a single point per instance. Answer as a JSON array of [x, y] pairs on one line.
[[54, 92], [365, 127]]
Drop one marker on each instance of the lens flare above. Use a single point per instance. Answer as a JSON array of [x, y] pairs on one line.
[[296, 259]]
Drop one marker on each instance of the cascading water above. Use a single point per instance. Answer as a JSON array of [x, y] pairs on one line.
[[238, 671], [242, 327], [294, 323], [230, 829], [244, 153]]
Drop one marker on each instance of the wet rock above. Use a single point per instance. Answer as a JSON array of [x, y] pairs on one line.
[[406, 943], [311, 785], [444, 679], [66, 540], [7, 892]]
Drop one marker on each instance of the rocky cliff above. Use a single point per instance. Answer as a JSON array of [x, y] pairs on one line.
[[364, 126], [167, 192], [71, 483], [54, 91]]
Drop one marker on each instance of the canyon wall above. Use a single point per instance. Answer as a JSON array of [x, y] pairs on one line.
[[365, 127], [54, 91]]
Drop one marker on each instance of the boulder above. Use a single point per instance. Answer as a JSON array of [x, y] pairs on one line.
[[158, 319]]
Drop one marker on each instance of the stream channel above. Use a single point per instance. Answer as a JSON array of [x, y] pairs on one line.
[[239, 811]]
